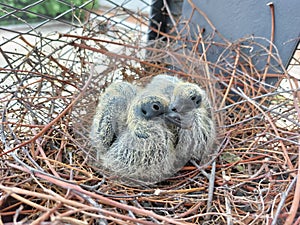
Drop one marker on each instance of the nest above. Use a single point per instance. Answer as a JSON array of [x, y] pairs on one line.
[[50, 88]]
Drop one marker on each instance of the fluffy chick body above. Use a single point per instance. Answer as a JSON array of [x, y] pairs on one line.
[[144, 152], [111, 115]]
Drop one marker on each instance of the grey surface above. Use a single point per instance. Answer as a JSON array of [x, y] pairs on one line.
[[236, 19]]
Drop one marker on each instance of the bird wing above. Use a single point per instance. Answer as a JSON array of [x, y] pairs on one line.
[[111, 114]]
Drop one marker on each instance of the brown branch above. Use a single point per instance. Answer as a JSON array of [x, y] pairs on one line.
[[285, 152], [49, 125], [296, 200], [271, 5]]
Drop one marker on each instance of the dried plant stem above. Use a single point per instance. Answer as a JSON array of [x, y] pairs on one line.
[[231, 80], [76, 188], [285, 152], [49, 125], [271, 5], [296, 200]]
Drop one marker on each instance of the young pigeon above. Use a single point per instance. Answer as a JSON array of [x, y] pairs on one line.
[[190, 110], [144, 152]]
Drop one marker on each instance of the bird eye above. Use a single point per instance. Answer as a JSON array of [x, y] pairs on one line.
[[196, 99], [155, 107]]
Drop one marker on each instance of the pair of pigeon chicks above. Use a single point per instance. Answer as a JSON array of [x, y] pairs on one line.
[[146, 135]]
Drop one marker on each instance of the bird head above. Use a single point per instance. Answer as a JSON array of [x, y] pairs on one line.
[[146, 113], [186, 97], [150, 107]]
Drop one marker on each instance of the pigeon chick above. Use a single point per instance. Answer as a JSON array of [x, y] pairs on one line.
[[190, 109], [163, 84], [144, 152], [111, 115]]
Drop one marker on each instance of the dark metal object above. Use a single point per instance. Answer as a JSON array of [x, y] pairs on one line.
[[235, 20]]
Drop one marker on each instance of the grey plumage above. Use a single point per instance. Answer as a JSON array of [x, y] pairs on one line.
[[111, 115], [189, 108], [163, 84], [144, 152]]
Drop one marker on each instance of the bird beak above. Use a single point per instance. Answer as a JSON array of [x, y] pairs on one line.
[[178, 120]]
